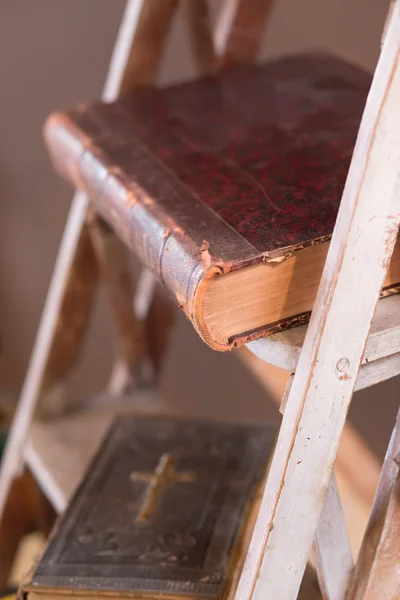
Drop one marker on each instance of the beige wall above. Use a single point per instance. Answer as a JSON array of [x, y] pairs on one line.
[[54, 53]]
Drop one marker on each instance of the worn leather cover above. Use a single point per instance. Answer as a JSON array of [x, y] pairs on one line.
[[210, 176], [160, 511]]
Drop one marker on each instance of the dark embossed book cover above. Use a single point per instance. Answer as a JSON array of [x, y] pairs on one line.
[[161, 511], [227, 188]]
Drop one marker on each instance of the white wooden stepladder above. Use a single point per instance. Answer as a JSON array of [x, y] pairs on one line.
[[300, 492]]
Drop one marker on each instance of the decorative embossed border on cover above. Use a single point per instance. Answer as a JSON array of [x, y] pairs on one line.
[[185, 545]]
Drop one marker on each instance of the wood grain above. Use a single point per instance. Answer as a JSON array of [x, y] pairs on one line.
[[283, 349], [240, 29], [355, 462], [326, 373], [197, 17], [377, 572], [27, 509]]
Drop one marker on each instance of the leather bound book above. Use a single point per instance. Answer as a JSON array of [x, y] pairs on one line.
[[165, 511], [228, 187]]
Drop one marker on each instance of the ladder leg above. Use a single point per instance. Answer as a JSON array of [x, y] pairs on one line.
[[27, 509], [14, 525], [72, 287], [318, 402], [331, 548], [246, 20], [240, 15], [74, 277], [377, 572], [331, 551], [237, 35], [357, 469], [196, 14], [134, 64], [115, 270], [240, 29]]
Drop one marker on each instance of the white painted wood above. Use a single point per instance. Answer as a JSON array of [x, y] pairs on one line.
[[378, 371], [387, 21], [357, 262], [13, 459], [283, 349], [356, 467], [58, 453], [331, 548], [377, 572], [371, 373], [225, 22], [356, 511], [119, 63], [355, 463]]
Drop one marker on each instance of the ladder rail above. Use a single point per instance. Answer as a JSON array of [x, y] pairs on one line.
[[133, 63], [54, 319], [377, 570], [236, 38], [317, 405]]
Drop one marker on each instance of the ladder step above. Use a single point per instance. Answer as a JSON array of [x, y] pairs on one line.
[[381, 358], [58, 452], [74, 440]]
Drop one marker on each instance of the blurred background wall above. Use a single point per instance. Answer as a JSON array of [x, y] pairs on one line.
[[55, 53]]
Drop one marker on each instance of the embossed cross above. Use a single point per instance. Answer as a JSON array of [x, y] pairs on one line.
[[164, 472]]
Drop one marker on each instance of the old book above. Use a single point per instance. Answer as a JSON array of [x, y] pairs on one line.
[[228, 188], [165, 510]]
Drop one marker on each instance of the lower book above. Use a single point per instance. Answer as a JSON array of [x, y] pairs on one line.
[[166, 510]]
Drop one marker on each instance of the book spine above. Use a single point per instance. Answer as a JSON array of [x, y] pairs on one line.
[[159, 243]]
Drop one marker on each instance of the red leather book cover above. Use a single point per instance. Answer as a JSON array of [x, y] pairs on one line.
[[210, 176]]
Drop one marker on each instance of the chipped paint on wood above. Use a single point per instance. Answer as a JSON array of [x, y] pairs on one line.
[[318, 402]]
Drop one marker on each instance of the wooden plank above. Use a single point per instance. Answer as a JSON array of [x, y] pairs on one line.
[[356, 467], [240, 29], [28, 509], [116, 273], [315, 414], [331, 548], [127, 63], [356, 511], [378, 371], [197, 17], [355, 462], [332, 552], [371, 373], [283, 349], [377, 572], [73, 440], [139, 46], [387, 21], [16, 523], [61, 334]]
